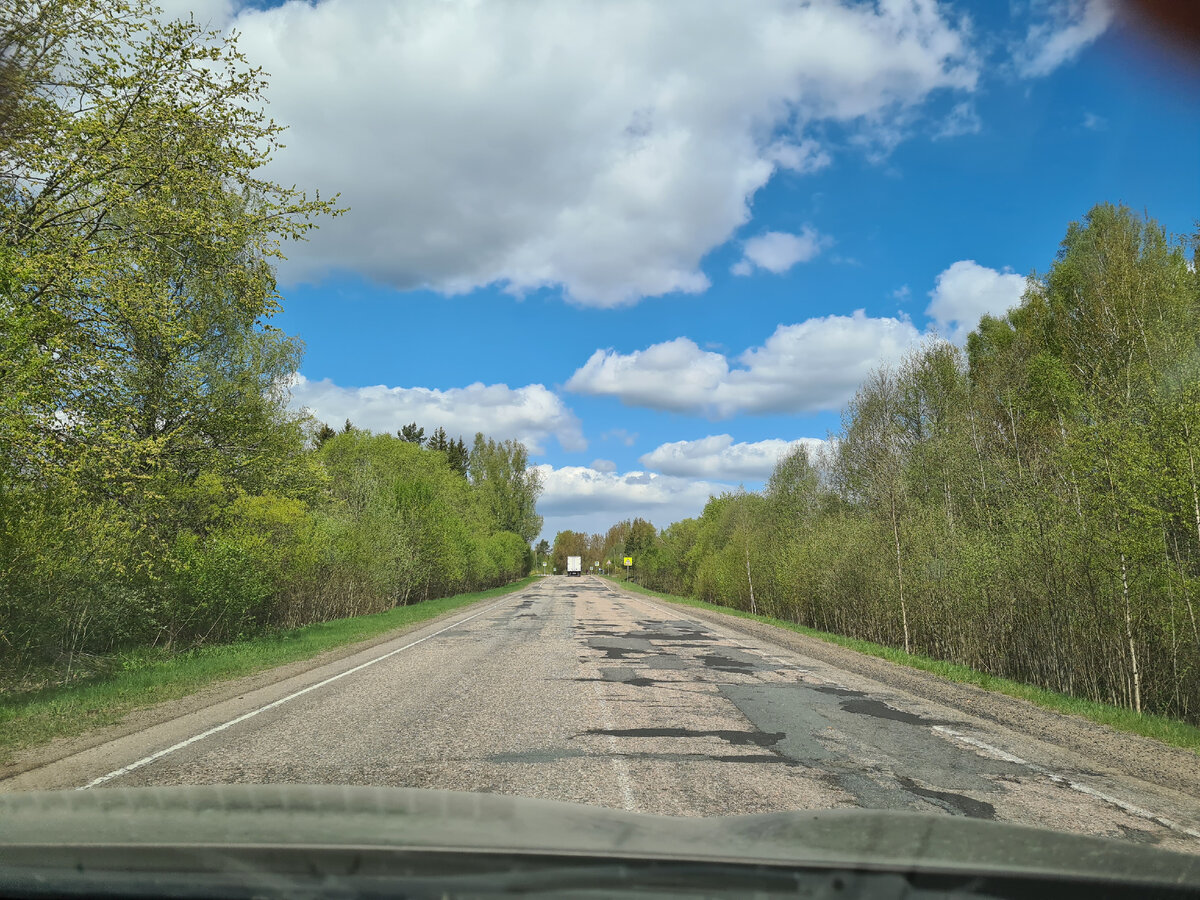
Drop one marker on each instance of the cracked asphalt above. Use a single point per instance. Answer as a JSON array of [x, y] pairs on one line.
[[571, 690]]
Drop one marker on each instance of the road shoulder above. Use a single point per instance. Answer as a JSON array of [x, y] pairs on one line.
[[226, 697], [1120, 752]]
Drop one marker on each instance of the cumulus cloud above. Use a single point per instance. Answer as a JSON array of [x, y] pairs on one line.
[[718, 457], [582, 498], [813, 365], [530, 414], [778, 251], [604, 465], [603, 148], [965, 292], [1060, 30]]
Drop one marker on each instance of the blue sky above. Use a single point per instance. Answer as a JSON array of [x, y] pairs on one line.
[[591, 213]]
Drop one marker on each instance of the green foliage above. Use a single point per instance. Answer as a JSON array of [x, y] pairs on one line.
[[567, 543], [414, 434], [500, 471], [155, 489], [1030, 510]]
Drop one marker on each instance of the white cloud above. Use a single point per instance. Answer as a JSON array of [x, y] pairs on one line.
[[584, 499], [813, 365], [901, 293], [214, 15], [965, 292], [1062, 28], [718, 457], [962, 120], [778, 251], [604, 465], [804, 157], [1093, 122], [531, 414], [601, 147]]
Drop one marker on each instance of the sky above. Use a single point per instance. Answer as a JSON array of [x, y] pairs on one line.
[[661, 243]]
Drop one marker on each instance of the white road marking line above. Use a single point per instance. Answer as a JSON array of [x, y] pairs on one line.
[[146, 760], [620, 766], [1132, 809]]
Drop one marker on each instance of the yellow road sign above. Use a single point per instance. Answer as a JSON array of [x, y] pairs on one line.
[[629, 560]]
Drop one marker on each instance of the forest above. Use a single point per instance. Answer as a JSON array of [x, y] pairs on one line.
[[156, 489], [1028, 506]]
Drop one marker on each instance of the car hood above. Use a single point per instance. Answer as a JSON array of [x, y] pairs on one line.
[[413, 819]]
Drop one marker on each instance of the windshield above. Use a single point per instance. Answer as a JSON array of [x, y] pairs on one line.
[[702, 409]]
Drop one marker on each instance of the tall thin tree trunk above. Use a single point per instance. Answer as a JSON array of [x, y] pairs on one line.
[[899, 573], [1016, 443], [1133, 660], [987, 506], [749, 580], [1187, 439], [1128, 608], [1183, 587]]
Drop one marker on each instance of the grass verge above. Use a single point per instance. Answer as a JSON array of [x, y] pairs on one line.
[[34, 717], [1160, 728]]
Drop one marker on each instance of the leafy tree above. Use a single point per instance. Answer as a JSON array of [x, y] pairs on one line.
[[501, 472], [568, 543], [1030, 509], [139, 237], [155, 489], [871, 456], [641, 540]]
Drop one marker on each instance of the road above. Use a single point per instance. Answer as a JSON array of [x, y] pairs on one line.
[[570, 690]]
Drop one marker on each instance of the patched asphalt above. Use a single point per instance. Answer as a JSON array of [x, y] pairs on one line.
[[572, 691]]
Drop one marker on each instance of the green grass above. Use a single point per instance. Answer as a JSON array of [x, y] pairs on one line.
[[1160, 728], [34, 717]]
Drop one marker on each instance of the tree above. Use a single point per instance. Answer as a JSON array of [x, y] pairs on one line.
[[323, 434], [871, 458], [28, 32], [568, 543], [412, 434], [1032, 510], [458, 457], [793, 488], [138, 238], [142, 380], [501, 471], [641, 539]]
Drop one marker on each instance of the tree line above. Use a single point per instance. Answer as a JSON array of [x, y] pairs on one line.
[[1029, 507], [155, 488], [629, 537]]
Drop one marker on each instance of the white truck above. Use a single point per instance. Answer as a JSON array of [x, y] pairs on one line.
[[574, 565]]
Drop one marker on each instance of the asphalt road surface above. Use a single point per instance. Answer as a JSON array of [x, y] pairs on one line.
[[570, 690]]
